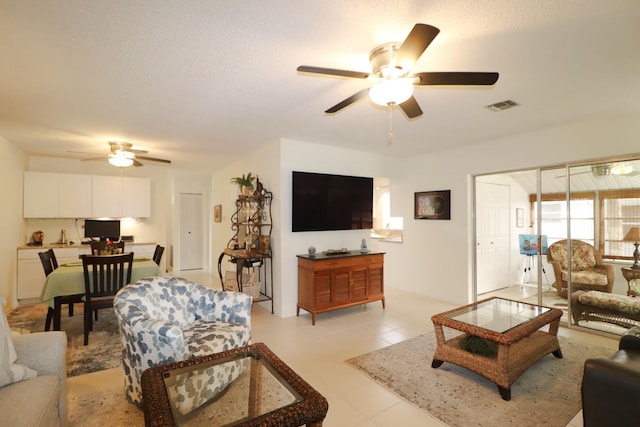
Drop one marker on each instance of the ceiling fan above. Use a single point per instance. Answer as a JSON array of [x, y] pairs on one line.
[[391, 65], [609, 169], [124, 154]]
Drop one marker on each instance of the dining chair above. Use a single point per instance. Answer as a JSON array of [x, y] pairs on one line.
[[50, 263], [104, 276], [157, 255], [97, 246]]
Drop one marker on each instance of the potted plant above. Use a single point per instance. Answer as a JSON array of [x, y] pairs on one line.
[[244, 183]]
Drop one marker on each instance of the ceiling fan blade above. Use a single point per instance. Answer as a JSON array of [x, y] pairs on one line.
[[94, 158], [411, 107], [350, 100], [456, 78], [152, 159], [125, 146], [136, 163], [416, 42], [332, 72]]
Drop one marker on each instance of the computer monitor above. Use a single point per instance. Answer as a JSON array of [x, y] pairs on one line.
[[102, 229]]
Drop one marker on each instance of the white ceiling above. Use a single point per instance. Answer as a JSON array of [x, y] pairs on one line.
[[202, 81]]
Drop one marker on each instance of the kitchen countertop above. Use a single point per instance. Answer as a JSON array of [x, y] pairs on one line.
[[75, 245]]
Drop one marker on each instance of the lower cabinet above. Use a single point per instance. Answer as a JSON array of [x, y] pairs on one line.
[[332, 282]]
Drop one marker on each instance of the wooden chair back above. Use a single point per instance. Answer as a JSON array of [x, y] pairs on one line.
[[104, 276], [48, 260], [157, 255], [98, 246]]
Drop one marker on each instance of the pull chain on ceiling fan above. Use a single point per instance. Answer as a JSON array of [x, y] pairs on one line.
[[391, 65]]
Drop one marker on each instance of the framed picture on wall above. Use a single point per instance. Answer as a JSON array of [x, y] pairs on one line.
[[519, 217], [217, 213], [432, 205]]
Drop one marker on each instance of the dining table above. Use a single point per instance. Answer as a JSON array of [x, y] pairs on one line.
[[68, 279]]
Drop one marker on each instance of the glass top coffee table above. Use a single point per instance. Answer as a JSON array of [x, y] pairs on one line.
[[501, 338], [248, 386]]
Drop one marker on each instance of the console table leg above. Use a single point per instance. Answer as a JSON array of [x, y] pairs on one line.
[[436, 363], [558, 354], [505, 393]]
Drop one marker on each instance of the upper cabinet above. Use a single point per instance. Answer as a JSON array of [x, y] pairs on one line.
[[52, 195]]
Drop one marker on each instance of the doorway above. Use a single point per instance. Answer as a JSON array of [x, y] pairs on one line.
[[191, 231], [492, 233]]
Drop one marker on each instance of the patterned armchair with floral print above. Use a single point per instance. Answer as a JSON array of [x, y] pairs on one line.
[[588, 272], [168, 319]]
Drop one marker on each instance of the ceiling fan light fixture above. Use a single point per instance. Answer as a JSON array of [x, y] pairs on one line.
[[621, 169], [120, 159], [391, 92]]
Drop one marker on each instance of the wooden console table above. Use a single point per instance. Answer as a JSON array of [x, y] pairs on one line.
[[332, 282]]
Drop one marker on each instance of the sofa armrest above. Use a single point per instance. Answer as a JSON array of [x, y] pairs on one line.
[[630, 340], [611, 390], [46, 352]]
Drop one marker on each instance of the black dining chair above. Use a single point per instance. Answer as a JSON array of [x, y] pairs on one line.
[[157, 255], [50, 263], [104, 276]]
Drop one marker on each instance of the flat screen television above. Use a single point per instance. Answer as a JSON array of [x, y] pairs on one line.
[[102, 229], [322, 202]]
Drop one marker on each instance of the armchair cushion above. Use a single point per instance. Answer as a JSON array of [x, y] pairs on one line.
[[168, 319]]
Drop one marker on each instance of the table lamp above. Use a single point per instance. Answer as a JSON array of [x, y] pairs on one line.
[[633, 235]]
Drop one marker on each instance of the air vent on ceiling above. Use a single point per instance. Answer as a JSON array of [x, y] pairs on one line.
[[502, 105]]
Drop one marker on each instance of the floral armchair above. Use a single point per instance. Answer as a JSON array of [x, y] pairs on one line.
[[168, 319], [588, 272]]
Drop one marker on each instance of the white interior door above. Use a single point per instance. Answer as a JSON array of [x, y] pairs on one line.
[[191, 231], [492, 236]]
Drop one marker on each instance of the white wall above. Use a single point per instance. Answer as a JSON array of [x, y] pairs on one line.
[[443, 249], [12, 228], [307, 157]]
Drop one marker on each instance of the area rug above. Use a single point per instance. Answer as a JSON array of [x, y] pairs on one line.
[[106, 408], [548, 393], [104, 350]]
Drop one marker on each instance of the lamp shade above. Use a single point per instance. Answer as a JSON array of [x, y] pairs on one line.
[[633, 235], [391, 92]]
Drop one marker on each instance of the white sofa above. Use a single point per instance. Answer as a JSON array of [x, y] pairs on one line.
[[39, 401]]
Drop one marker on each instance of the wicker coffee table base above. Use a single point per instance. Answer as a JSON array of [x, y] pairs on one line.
[[518, 349]]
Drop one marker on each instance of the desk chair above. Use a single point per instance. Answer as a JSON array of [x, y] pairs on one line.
[[157, 255], [50, 263], [104, 276]]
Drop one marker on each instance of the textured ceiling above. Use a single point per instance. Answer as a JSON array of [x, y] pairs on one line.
[[202, 81]]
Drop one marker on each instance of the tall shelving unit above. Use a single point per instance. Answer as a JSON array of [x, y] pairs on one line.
[[250, 246]]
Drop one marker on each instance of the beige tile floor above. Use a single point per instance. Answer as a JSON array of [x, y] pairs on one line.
[[317, 353]]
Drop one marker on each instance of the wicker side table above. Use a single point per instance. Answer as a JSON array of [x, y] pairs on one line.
[[249, 399], [519, 346]]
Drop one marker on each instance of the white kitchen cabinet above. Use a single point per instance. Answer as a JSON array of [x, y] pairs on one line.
[[136, 197], [41, 195], [75, 196], [119, 197], [31, 276], [107, 197], [53, 195]]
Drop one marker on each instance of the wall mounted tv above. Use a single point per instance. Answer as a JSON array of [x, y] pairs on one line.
[[322, 202], [102, 229]]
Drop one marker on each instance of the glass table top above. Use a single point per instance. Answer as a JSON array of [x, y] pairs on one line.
[[497, 314], [227, 391]]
